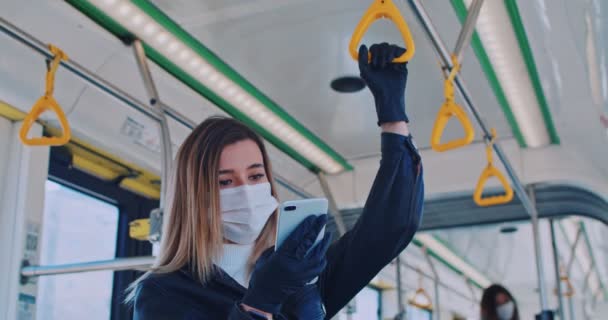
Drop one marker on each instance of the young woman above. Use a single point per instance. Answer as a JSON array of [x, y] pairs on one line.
[[217, 260], [497, 303]]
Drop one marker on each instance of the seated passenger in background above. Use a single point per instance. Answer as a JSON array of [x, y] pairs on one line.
[[498, 304], [217, 259]]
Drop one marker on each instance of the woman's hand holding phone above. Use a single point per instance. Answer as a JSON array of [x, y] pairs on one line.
[[278, 274]]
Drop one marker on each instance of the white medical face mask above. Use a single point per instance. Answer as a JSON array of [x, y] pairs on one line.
[[245, 210], [505, 311]]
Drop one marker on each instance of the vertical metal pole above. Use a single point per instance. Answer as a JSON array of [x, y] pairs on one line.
[[467, 29], [573, 250], [400, 304], [142, 63], [438, 303], [167, 155], [470, 286], [587, 277], [558, 281], [585, 235], [571, 308], [437, 315], [333, 207], [538, 253]]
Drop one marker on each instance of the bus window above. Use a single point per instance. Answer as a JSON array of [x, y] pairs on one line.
[[76, 228]]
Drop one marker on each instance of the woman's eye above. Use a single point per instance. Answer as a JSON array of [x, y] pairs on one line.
[[256, 177], [224, 183]]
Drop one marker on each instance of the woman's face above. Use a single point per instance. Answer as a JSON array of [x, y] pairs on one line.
[[241, 163]]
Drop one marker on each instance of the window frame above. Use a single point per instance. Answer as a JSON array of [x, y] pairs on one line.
[[130, 206]]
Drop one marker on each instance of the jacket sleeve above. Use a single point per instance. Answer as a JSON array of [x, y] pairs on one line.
[[390, 217], [152, 302]]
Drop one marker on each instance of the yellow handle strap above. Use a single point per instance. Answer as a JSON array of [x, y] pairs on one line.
[[383, 9], [426, 306], [47, 102], [489, 172], [569, 287], [449, 109]]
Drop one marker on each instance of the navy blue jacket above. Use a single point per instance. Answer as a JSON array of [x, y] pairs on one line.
[[390, 218]]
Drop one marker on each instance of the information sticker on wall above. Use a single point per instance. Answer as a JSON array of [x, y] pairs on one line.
[[147, 136], [26, 307]]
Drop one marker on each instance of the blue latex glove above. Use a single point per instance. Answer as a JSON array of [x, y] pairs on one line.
[[278, 274], [305, 304], [386, 80]]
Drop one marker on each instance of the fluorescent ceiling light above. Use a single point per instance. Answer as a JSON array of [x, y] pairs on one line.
[[523, 93], [239, 98], [452, 260]]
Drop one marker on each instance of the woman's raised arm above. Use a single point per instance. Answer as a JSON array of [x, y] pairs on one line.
[[393, 210]]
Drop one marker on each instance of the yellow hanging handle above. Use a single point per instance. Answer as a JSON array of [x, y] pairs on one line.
[[486, 174], [426, 306], [47, 102], [449, 109], [383, 9], [570, 288], [421, 292]]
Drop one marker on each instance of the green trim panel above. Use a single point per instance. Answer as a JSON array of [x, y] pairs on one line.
[[447, 264], [486, 65], [454, 251], [110, 25], [526, 51]]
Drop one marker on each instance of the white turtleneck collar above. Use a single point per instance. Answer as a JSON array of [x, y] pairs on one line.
[[234, 262]]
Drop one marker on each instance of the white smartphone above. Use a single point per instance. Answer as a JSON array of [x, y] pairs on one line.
[[292, 213]]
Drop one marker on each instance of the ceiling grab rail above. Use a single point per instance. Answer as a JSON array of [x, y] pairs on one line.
[[450, 109], [487, 173], [526, 200], [377, 10], [47, 103], [153, 225], [106, 87]]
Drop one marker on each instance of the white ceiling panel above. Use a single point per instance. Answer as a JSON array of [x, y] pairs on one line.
[[293, 50]]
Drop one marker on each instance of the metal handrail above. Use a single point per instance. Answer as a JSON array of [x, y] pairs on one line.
[[134, 263], [156, 114], [467, 29], [520, 190], [167, 155]]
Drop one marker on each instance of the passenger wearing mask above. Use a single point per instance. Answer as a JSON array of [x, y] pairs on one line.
[[217, 259], [498, 304]]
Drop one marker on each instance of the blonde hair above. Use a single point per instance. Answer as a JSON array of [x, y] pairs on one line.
[[192, 226]]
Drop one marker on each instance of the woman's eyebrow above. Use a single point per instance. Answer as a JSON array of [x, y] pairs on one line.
[[255, 165]]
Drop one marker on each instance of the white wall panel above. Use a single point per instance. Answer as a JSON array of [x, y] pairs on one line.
[[20, 218]]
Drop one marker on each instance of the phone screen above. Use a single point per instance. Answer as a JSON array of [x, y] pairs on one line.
[[292, 213]]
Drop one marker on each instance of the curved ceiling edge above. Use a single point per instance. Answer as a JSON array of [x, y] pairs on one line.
[[552, 200]]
